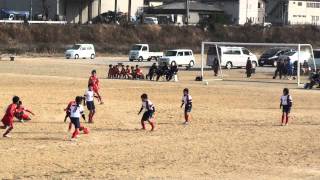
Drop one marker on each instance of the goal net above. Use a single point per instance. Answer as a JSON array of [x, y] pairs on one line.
[[269, 61]]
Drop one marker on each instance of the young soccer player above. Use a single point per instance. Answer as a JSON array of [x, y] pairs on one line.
[[148, 115], [7, 119], [94, 81], [89, 96], [67, 110], [128, 72], [110, 72], [76, 110], [21, 114], [187, 102], [285, 104]]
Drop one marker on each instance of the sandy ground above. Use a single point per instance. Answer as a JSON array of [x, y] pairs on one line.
[[235, 132]]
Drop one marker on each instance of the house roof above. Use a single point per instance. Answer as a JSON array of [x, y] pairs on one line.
[[194, 6]]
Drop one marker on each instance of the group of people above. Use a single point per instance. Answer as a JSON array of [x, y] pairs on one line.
[[125, 72], [14, 110], [155, 72], [314, 80], [75, 110], [288, 70]]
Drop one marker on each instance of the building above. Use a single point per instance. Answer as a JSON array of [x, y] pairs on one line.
[[294, 12], [178, 14], [238, 11], [75, 11], [242, 11]]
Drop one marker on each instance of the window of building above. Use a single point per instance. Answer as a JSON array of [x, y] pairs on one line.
[[299, 3], [259, 5]]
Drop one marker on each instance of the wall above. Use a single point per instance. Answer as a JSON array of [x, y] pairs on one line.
[[249, 10], [302, 14]]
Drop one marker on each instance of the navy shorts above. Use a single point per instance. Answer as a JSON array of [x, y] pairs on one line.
[[147, 115], [75, 122], [188, 108], [286, 109], [91, 106]]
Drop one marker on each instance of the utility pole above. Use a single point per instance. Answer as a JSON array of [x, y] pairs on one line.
[[99, 7], [129, 10], [187, 11], [115, 10], [31, 4]]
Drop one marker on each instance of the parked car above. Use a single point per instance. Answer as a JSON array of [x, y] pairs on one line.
[[271, 56], [150, 20], [316, 53], [231, 57], [294, 56], [81, 51], [178, 57], [142, 52]]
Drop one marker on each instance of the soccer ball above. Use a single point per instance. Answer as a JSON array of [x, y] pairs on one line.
[[206, 83]]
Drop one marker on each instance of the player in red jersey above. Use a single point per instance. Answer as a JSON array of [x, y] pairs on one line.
[[21, 114], [67, 110], [94, 81], [7, 119]]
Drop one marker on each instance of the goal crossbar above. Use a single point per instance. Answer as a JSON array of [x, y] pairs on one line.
[[216, 44]]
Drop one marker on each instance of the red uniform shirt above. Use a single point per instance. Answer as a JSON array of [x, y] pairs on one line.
[[7, 119], [69, 105], [94, 81]]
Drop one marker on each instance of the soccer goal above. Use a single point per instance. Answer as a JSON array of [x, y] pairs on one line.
[[228, 57]]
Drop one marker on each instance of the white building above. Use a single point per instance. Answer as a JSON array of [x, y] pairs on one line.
[[294, 12], [242, 11]]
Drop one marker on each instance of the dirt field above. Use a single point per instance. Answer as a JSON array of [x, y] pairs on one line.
[[235, 132]]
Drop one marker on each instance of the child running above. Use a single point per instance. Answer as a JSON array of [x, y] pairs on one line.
[[21, 114], [76, 110], [94, 81], [7, 119], [67, 110], [187, 102], [148, 115], [89, 96], [285, 104]]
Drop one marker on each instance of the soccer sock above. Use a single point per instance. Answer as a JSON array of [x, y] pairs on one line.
[[287, 119], [152, 125], [75, 133], [143, 125]]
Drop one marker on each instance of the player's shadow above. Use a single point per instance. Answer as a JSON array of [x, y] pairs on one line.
[[115, 129], [257, 81], [42, 139], [38, 132]]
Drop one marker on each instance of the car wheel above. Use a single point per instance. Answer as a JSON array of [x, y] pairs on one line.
[[229, 65], [140, 59], [254, 64], [76, 56], [131, 60], [149, 59], [191, 64], [92, 56], [173, 63], [261, 65]]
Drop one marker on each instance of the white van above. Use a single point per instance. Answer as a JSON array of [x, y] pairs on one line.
[[231, 56], [81, 51], [179, 57]]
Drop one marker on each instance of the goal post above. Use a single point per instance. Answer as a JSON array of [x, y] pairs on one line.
[[216, 45]]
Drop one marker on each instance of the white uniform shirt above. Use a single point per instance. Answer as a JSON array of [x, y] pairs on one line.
[[284, 100], [186, 99], [76, 111], [89, 95], [147, 105]]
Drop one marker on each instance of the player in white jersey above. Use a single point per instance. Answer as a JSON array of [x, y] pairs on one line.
[[76, 111], [187, 102], [149, 113], [89, 100], [285, 104]]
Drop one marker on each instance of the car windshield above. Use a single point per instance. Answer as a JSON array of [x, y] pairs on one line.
[[316, 54], [271, 51], [290, 53], [136, 48], [171, 53], [75, 47]]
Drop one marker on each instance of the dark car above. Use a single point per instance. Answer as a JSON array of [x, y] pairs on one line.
[[271, 56]]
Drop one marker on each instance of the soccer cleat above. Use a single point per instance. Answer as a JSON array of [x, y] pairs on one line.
[[86, 131], [186, 123], [7, 136]]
